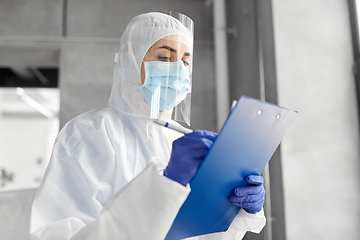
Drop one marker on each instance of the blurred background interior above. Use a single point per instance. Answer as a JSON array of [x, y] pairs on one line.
[[57, 59]]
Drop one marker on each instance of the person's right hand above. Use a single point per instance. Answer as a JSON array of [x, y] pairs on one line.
[[187, 154]]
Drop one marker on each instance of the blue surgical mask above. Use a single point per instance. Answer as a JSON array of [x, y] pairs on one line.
[[166, 83]]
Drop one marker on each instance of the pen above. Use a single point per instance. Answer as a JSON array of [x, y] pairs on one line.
[[180, 129]]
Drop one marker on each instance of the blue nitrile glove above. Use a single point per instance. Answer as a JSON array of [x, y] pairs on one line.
[[250, 198], [187, 154]]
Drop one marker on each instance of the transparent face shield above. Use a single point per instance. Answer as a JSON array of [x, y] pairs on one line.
[[167, 69]]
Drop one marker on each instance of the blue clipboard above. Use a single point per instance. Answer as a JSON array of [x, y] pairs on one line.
[[244, 146]]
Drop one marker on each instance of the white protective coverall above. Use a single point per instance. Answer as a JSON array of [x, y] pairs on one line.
[[104, 179]]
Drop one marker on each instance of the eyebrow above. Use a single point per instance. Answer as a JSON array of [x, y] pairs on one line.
[[173, 50]]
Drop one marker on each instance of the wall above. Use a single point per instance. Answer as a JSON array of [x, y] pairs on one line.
[[320, 153]]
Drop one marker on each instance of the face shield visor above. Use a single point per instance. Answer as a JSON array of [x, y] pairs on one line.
[[166, 71]]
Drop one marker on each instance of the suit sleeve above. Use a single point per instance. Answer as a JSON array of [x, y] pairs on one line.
[[76, 199], [144, 209]]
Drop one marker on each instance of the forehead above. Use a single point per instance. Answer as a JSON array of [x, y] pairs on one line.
[[175, 42]]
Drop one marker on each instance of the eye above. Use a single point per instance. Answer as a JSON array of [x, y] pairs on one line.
[[165, 59]]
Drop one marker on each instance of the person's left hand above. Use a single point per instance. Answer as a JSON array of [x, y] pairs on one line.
[[250, 198]]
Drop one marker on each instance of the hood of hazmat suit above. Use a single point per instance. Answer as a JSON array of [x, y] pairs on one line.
[[92, 188], [141, 33]]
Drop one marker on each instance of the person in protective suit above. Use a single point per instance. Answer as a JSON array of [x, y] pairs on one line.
[[114, 173]]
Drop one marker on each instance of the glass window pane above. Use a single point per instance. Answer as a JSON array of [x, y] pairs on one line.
[[29, 124]]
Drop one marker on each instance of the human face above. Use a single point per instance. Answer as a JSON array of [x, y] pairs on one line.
[[166, 50]]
